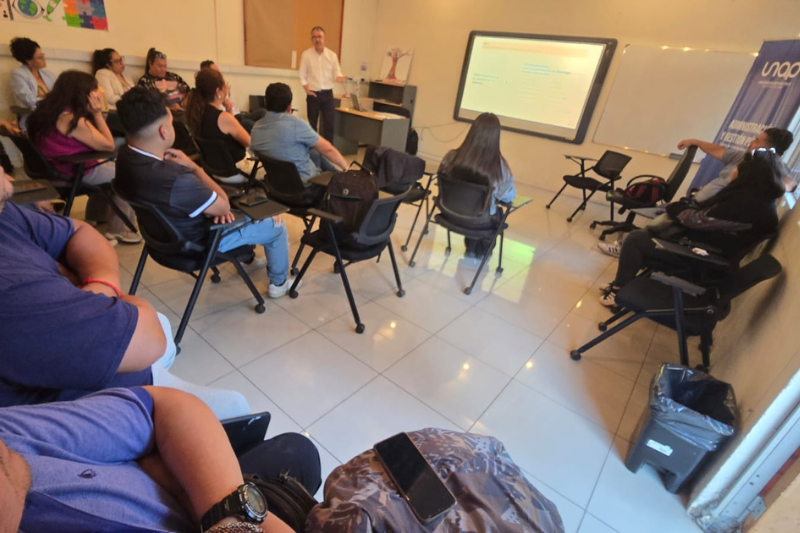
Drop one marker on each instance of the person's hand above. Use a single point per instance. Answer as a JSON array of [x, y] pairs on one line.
[[228, 105], [278, 221], [95, 104], [224, 219], [686, 143], [341, 79], [45, 207], [309, 92], [176, 156], [11, 127]]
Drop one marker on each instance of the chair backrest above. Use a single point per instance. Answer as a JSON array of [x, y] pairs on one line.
[[378, 224], [216, 157], [679, 173], [610, 164], [36, 164], [762, 268], [282, 176], [183, 139], [464, 195]]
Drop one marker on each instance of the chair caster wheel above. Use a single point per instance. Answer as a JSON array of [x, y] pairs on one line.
[[260, 308], [401, 293], [547, 206], [602, 237], [447, 251], [294, 272], [499, 270], [468, 291], [569, 219], [412, 263], [360, 328], [335, 268], [575, 355], [592, 225], [293, 294], [426, 232], [602, 326], [215, 278], [404, 248]]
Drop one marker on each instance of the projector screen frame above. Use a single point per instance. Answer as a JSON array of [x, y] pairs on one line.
[[610, 46]]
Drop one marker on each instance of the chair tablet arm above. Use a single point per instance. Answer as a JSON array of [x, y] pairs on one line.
[[574, 157], [685, 250], [678, 283], [330, 217]]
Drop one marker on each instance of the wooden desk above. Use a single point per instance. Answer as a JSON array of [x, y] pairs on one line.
[[351, 127]]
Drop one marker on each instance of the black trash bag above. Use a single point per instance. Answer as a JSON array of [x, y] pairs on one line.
[[693, 405]]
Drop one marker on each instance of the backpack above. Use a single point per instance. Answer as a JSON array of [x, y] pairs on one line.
[[649, 191], [350, 195], [412, 141]]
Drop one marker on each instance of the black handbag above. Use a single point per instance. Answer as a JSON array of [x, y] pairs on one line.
[[286, 498]]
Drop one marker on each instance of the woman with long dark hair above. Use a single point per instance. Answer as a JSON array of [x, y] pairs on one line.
[[69, 121], [480, 153], [734, 219], [31, 81], [108, 68], [156, 76], [207, 118]]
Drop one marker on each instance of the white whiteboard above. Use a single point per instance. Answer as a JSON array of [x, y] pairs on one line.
[[660, 96]]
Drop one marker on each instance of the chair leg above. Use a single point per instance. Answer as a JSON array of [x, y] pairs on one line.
[[447, 250], [602, 326], [413, 225], [246, 277], [400, 291], [139, 269], [293, 289], [499, 268], [577, 353], [556, 196], [76, 185], [187, 313], [677, 299], [351, 300], [581, 207], [296, 259], [468, 290], [421, 235], [706, 340]]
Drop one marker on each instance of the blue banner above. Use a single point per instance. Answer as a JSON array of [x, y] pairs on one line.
[[770, 97]]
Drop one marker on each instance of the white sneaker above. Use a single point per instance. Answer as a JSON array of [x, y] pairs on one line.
[[278, 291], [125, 237], [609, 299], [610, 249]]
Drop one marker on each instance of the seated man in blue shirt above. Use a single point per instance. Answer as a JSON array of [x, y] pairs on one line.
[[283, 136], [149, 170], [66, 326], [142, 459]]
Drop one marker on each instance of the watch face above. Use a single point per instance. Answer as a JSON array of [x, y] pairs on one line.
[[255, 500]]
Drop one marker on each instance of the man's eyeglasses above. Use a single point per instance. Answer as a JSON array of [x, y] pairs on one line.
[[770, 150]]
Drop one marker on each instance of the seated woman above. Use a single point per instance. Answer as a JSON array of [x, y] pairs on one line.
[[30, 82], [734, 219], [157, 76], [69, 121], [108, 68], [480, 153], [207, 118]]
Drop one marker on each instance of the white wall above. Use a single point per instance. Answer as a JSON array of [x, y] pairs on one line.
[[438, 31]]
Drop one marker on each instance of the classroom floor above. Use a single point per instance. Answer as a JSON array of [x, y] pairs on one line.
[[495, 362]]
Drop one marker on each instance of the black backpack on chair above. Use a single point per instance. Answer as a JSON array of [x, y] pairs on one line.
[[350, 195]]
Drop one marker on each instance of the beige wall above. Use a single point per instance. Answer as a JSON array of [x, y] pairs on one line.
[[438, 31]]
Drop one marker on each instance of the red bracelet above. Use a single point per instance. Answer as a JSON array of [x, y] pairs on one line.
[[103, 282]]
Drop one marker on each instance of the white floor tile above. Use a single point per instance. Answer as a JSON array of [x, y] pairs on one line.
[[198, 361], [450, 381], [549, 285], [213, 296], [241, 335], [308, 376], [424, 306], [320, 299], [556, 445], [327, 463], [457, 272], [524, 311], [592, 391], [386, 340], [632, 503], [591, 524], [491, 339], [376, 412]]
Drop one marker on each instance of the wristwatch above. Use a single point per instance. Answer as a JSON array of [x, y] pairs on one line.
[[247, 502]]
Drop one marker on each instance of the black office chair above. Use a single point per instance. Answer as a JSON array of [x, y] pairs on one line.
[[609, 167], [184, 141], [284, 185], [37, 166], [689, 308], [618, 196], [417, 196], [216, 160], [367, 241], [463, 204], [169, 248]]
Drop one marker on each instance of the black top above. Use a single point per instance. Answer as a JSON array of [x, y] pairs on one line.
[[209, 129], [171, 187]]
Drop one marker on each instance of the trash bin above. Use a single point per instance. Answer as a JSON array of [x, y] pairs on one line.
[[689, 415]]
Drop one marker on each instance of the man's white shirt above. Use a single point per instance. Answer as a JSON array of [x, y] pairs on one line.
[[319, 71]]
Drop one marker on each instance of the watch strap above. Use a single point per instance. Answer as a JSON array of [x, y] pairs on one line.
[[229, 506]]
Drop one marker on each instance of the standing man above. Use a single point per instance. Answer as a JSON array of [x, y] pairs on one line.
[[319, 69]]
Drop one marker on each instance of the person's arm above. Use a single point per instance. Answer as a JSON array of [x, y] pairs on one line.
[[303, 73], [228, 124], [205, 474], [22, 89], [220, 210], [505, 190], [95, 133], [714, 150], [338, 69], [106, 82], [329, 151]]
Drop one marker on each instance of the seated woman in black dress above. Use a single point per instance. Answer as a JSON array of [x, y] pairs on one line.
[[480, 153], [206, 118], [736, 218]]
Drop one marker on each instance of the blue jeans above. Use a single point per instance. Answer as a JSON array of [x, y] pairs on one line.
[[274, 240]]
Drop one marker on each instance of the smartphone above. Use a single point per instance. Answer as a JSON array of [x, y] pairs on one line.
[[246, 432], [252, 200], [414, 477], [27, 186]]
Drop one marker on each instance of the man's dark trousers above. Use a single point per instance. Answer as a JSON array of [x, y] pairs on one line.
[[322, 103]]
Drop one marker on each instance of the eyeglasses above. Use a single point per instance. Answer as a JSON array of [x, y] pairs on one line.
[[38, 57], [770, 150], [117, 61]]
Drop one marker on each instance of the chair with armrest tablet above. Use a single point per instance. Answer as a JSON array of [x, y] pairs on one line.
[[609, 167]]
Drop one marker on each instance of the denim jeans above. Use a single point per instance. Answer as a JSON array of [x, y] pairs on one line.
[[274, 240]]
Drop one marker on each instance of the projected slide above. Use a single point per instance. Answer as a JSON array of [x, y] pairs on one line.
[[535, 84]]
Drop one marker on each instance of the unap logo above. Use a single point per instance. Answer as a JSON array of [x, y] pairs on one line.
[[783, 70]]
